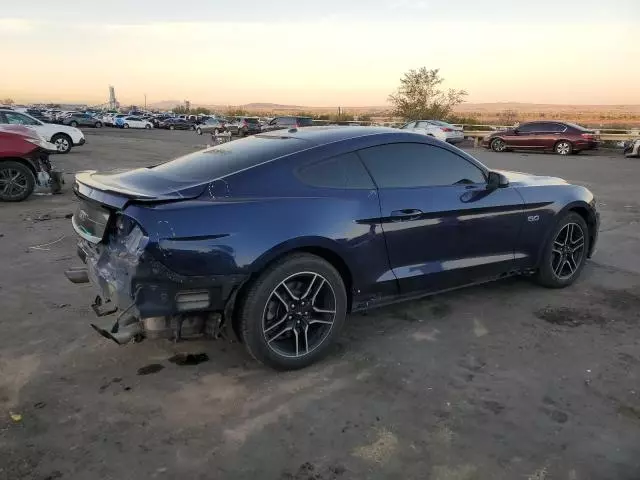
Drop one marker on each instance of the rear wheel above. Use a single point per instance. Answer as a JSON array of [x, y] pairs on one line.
[[73, 124], [98, 125], [498, 145], [126, 125], [293, 312], [563, 147], [171, 127], [565, 254], [199, 131], [148, 126], [16, 181]]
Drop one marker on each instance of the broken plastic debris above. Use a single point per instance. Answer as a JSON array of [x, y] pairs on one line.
[[16, 417]]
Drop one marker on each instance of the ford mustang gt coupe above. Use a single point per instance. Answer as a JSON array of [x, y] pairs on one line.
[[276, 238]]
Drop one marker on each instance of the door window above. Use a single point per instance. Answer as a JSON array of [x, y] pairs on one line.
[[408, 126], [409, 165], [528, 128]]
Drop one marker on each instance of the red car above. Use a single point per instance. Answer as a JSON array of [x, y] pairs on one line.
[[24, 163], [559, 137]]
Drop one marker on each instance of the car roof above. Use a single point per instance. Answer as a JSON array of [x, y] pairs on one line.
[[328, 134]]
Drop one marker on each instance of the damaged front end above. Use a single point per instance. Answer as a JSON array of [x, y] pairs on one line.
[[148, 299]]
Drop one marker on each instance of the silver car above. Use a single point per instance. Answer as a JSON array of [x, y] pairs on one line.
[[211, 125]]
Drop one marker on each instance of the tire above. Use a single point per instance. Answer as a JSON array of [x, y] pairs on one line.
[[264, 302], [73, 124], [16, 181], [199, 131], [126, 125], [556, 252], [171, 127], [62, 142], [498, 145], [98, 125], [193, 127], [216, 131], [147, 126], [563, 147]]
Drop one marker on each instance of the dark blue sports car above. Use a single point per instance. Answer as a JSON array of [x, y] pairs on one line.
[[277, 237]]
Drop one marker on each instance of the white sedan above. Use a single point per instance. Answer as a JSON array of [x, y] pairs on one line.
[[133, 122], [436, 128]]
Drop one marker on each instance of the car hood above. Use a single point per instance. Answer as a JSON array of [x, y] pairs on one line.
[[142, 184], [521, 179]]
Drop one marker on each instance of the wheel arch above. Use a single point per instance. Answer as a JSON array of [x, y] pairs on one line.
[[583, 209], [22, 161], [318, 246]]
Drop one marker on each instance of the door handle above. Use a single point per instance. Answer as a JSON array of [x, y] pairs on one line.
[[406, 214]]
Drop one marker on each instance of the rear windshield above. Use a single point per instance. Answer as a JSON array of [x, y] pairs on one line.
[[251, 120], [228, 158], [578, 127], [304, 121]]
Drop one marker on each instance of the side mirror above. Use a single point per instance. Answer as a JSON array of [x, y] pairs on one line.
[[497, 180]]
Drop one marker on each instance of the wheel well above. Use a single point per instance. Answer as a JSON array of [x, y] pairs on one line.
[[61, 134], [23, 162], [333, 258], [589, 220]]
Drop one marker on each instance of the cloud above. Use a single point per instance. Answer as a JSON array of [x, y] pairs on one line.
[[18, 25]]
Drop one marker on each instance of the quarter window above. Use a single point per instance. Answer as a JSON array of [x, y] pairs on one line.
[[343, 171], [409, 165]]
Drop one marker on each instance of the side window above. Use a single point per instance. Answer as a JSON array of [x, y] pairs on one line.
[[343, 171], [557, 127], [407, 165], [424, 124], [409, 125], [287, 121], [15, 118], [527, 128]]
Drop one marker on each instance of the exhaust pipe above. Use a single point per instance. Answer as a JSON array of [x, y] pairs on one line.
[[77, 275]]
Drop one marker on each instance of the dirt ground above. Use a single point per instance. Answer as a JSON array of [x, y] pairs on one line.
[[503, 381]]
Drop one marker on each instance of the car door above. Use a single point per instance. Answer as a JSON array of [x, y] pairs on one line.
[[424, 128], [547, 134], [409, 126], [523, 137], [443, 225]]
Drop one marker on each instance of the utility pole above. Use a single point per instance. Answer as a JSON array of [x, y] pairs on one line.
[[145, 101]]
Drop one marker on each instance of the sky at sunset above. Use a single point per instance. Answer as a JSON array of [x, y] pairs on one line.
[[319, 52]]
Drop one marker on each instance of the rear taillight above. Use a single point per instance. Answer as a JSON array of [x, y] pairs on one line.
[[446, 129], [589, 136]]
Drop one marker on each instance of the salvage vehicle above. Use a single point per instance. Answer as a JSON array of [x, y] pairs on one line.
[[24, 164], [63, 137], [632, 148], [275, 238]]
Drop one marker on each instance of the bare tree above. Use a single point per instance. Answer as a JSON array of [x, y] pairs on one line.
[[7, 101], [420, 96]]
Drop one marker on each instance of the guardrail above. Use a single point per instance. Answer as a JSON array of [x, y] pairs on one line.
[[477, 136]]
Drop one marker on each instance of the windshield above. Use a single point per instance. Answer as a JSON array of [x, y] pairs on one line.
[[222, 160]]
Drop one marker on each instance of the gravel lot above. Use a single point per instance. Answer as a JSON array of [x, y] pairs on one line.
[[504, 381]]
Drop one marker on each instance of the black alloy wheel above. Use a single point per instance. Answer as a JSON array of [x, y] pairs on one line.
[[566, 253], [16, 181], [293, 312]]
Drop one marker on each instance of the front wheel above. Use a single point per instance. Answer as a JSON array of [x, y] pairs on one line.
[[171, 127], [126, 125], [498, 145], [73, 124], [565, 254], [147, 126], [16, 181], [98, 125], [293, 312], [199, 131], [62, 142], [563, 147]]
